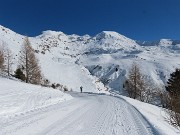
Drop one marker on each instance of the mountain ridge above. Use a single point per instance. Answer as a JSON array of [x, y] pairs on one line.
[[107, 33], [96, 58]]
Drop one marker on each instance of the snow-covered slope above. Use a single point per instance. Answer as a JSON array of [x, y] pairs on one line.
[[86, 113], [108, 55], [57, 56], [17, 98], [157, 116]]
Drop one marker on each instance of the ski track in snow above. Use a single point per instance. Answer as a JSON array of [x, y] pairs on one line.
[[86, 114]]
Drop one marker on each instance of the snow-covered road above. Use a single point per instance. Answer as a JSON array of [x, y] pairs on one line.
[[86, 114]]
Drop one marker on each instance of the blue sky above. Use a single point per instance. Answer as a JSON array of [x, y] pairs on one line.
[[136, 19]]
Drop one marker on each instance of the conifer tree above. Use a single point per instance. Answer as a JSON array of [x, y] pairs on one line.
[[173, 84], [19, 74], [173, 89]]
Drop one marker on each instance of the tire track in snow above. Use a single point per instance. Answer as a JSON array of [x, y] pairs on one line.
[[87, 114]]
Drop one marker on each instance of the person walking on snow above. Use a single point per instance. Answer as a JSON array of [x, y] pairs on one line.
[[81, 89]]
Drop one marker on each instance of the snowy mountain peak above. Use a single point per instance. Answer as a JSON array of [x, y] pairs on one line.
[[109, 34], [165, 42], [86, 36], [161, 42], [51, 33], [114, 37]]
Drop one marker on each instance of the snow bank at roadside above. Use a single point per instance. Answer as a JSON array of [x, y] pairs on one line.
[[17, 98], [155, 115]]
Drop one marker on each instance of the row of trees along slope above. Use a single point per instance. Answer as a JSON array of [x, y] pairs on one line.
[[138, 86], [28, 69], [28, 63], [141, 88]]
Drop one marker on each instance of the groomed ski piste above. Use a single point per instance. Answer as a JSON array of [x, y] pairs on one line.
[[34, 110]]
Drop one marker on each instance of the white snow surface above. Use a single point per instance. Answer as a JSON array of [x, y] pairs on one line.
[[96, 63], [32, 110], [157, 116], [17, 98]]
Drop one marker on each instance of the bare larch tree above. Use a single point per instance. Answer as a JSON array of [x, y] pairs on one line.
[[1, 58], [29, 63], [135, 84], [8, 61]]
